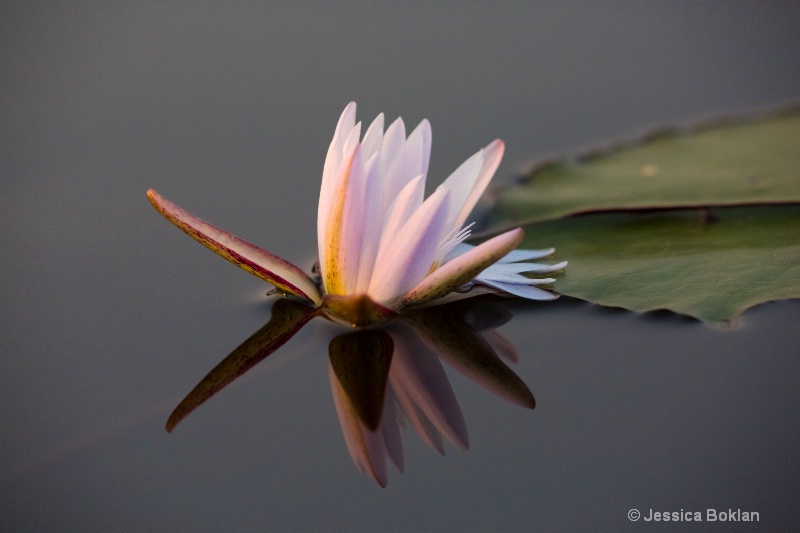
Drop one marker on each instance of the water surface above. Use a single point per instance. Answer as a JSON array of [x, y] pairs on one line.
[[111, 315]]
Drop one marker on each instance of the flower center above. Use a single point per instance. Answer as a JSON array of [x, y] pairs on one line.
[[354, 310]]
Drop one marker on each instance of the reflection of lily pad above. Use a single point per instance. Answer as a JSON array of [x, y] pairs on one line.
[[734, 163], [681, 261]]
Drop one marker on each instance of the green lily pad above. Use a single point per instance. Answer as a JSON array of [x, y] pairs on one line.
[[742, 162], [708, 265]]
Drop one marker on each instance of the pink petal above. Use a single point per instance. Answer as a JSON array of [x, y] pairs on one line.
[[418, 149], [412, 252], [332, 169], [371, 228], [338, 262], [391, 153], [492, 155], [400, 211], [373, 137]]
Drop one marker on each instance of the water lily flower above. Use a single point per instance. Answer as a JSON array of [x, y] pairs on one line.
[[383, 247]]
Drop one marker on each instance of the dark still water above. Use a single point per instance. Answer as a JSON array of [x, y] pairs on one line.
[[111, 315]]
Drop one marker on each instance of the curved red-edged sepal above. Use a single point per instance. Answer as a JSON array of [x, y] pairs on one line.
[[271, 268]]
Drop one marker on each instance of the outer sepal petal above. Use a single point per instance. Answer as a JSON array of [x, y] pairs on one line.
[[462, 269], [271, 268]]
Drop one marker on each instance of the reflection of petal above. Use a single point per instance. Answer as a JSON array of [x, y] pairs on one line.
[[366, 447], [390, 426], [358, 371], [502, 346], [418, 378], [287, 319], [360, 360], [453, 340], [486, 315], [419, 421]]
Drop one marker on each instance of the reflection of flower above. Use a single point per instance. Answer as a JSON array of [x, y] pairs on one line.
[[383, 247], [405, 380], [385, 374]]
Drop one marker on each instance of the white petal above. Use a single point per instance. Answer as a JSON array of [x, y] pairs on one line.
[[492, 155], [342, 245], [405, 205], [460, 183], [390, 157], [332, 171], [533, 268], [410, 256], [526, 255], [509, 277], [352, 140], [418, 148], [371, 228], [470, 179], [393, 141], [523, 291], [511, 257], [347, 122], [373, 137]]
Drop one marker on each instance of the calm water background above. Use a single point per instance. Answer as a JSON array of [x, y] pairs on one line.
[[110, 315]]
